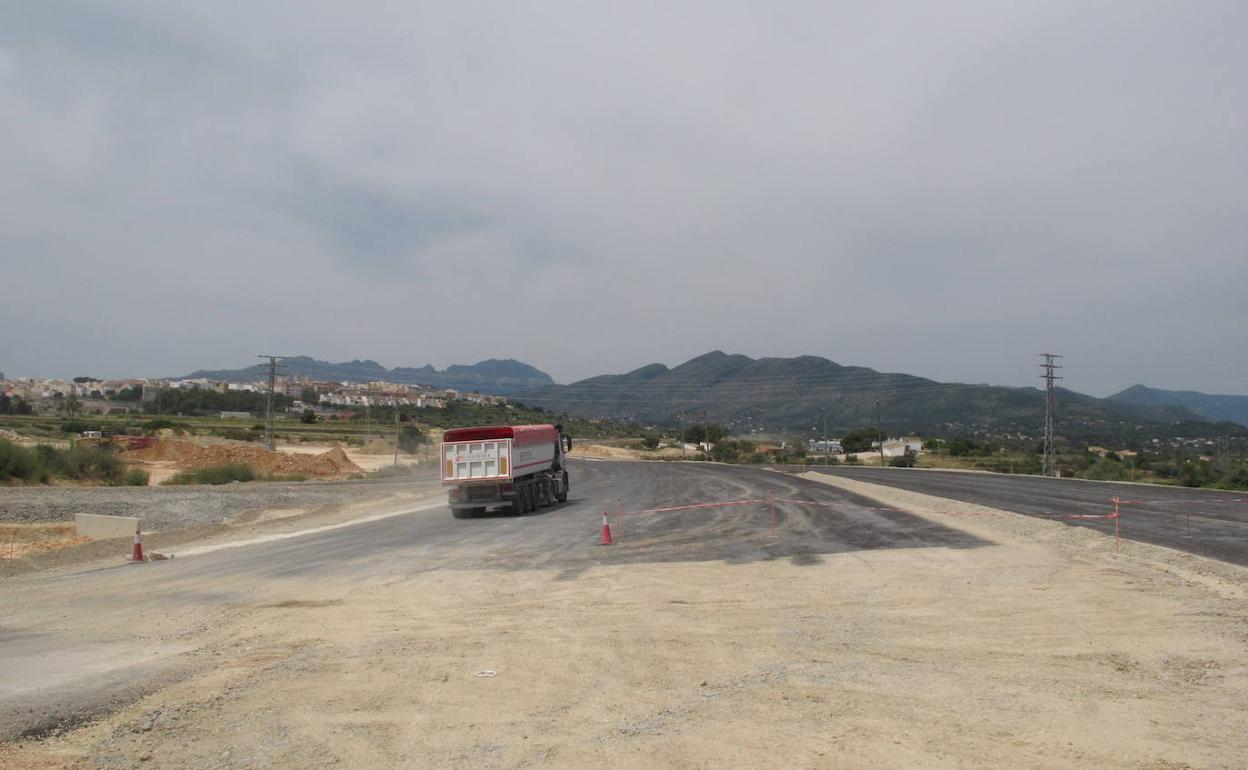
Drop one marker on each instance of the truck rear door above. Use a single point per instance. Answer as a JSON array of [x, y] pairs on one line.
[[488, 460]]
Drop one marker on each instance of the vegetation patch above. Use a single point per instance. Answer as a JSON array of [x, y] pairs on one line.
[[43, 463]]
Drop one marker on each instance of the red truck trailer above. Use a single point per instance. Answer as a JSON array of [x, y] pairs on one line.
[[521, 467]]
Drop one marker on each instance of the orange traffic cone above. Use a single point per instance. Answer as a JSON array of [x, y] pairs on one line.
[[606, 531], [137, 554]]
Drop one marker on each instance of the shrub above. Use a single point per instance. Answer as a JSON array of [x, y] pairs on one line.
[[137, 477], [726, 452], [1107, 469], [650, 441], [961, 447], [237, 434], [18, 462], [160, 423], [213, 474], [78, 427], [83, 463], [411, 438], [80, 463]]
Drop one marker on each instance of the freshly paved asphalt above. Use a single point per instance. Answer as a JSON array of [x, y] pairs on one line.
[[1199, 521]]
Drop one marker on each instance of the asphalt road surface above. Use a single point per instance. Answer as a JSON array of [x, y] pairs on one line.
[[1200, 521], [63, 635]]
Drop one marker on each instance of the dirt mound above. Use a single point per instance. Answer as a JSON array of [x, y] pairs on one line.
[[164, 451], [188, 456]]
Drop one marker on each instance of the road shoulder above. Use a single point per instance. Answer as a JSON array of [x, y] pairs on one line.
[[994, 524]]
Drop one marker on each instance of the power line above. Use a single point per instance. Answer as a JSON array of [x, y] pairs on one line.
[[1050, 366]]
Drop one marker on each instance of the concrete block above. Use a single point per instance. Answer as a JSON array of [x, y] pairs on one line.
[[99, 527]]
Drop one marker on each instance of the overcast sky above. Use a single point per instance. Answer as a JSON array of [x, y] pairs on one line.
[[944, 189]]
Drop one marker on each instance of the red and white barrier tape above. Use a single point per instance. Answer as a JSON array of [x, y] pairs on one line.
[[693, 507]]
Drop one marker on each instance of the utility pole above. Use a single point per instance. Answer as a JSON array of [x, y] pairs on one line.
[[269, 441], [879, 430], [1050, 367], [396, 431]]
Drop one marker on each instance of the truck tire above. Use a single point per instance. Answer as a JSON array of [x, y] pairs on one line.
[[563, 489], [517, 502], [530, 497], [546, 494]]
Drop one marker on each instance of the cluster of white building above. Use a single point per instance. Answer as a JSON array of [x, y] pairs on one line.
[[97, 393], [34, 390], [893, 447]]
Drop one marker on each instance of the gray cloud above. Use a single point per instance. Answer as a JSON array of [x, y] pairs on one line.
[[944, 190]]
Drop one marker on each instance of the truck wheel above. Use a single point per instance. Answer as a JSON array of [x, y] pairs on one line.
[[563, 489], [530, 499], [517, 502], [546, 494]]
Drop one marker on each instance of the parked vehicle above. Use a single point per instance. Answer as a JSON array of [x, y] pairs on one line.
[[521, 467]]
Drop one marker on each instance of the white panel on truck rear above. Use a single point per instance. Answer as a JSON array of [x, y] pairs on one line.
[[476, 460]]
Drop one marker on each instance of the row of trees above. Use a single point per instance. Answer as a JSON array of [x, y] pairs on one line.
[[192, 401], [14, 405]]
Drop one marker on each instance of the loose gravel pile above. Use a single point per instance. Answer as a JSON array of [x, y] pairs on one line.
[[163, 508]]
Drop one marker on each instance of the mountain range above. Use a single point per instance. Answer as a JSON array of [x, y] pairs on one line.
[[1210, 407], [497, 377], [802, 394], [808, 392]]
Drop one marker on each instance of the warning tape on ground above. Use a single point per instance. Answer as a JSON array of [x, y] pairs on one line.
[[693, 507]]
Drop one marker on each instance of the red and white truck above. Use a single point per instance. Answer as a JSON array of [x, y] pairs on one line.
[[518, 466]]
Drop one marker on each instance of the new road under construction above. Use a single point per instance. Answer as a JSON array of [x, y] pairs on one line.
[[741, 616]]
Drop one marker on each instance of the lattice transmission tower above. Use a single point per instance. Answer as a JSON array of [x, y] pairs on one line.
[[1050, 366]]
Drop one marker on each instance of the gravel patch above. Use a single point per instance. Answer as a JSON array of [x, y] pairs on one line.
[[166, 508]]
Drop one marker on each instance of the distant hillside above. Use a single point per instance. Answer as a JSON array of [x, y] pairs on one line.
[[798, 394], [503, 378], [1210, 407]]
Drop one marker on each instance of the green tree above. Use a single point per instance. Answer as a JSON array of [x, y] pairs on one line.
[[411, 438], [961, 447], [307, 417], [725, 452], [859, 440], [133, 393]]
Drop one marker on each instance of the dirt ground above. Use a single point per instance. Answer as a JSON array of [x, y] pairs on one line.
[[18, 541], [166, 460], [1043, 650], [604, 452]]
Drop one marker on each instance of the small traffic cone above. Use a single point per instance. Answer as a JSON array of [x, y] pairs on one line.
[[606, 531], [137, 554]]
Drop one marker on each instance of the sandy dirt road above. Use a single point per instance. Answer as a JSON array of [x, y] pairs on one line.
[[854, 635]]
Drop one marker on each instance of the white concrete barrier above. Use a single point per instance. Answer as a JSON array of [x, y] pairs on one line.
[[98, 527]]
